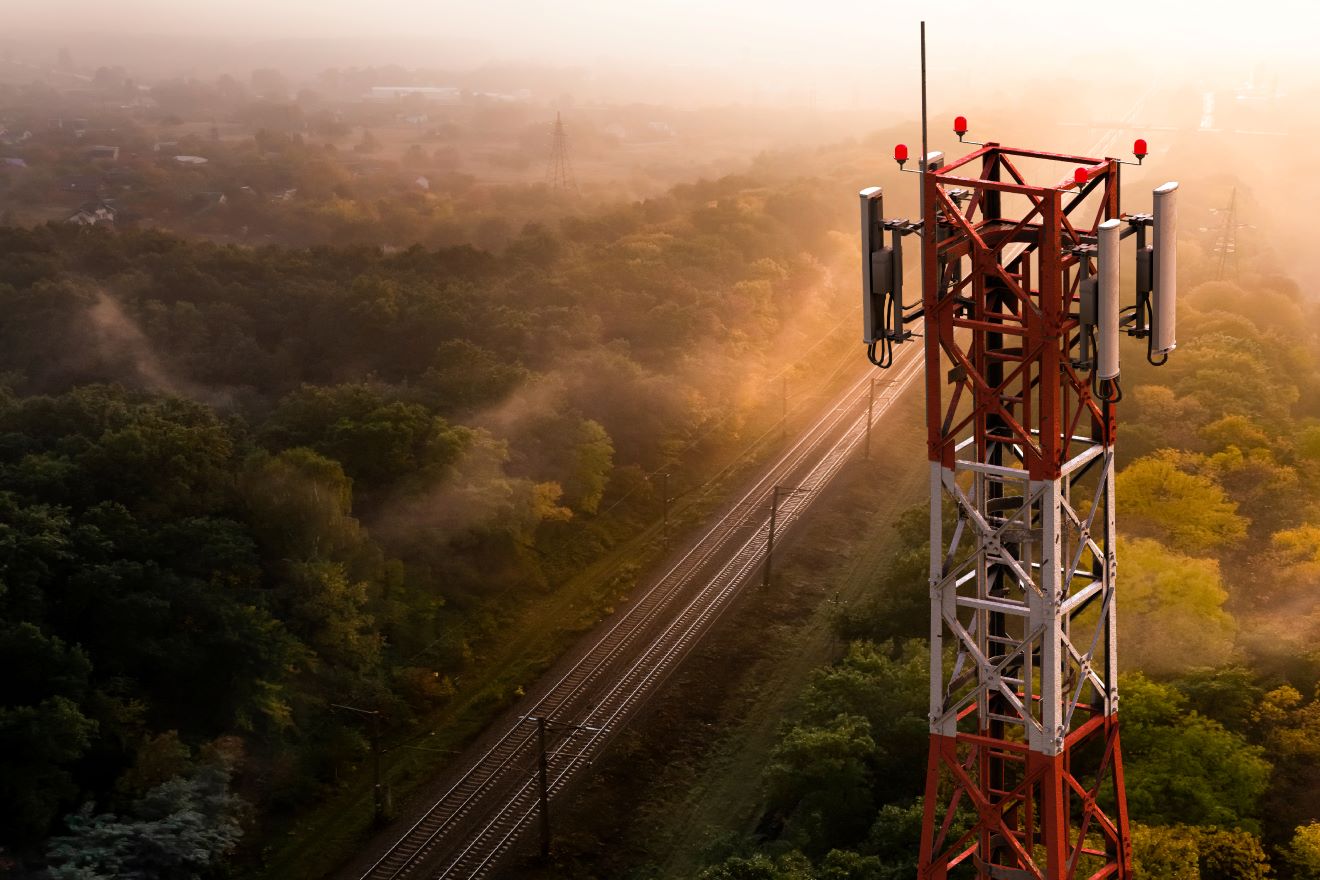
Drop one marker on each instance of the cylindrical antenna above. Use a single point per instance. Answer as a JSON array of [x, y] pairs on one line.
[[1164, 305], [873, 242], [1107, 329]]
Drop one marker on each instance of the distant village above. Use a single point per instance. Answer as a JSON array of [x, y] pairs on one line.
[[230, 157]]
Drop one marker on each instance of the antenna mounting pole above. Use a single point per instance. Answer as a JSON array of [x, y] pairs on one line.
[[925, 149]]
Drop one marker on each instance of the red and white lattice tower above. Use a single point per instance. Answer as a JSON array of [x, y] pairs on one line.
[[1021, 313]]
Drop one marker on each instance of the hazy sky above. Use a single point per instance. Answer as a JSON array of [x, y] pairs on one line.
[[692, 29], [835, 47]]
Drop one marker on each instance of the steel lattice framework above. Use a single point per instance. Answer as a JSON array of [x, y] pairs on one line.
[[559, 170], [1025, 774]]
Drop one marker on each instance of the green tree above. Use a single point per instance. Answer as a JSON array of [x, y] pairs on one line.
[[381, 443], [479, 500], [842, 864], [38, 745], [820, 774], [464, 375], [1298, 549], [326, 609], [790, 866], [1234, 431], [590, 462], [1172, 609], [159, 759], [1180, 852], [1157, 417], [1191, 512], [1228, 373], [1182, 767], [44, 727], [895, 838], [1302, 854], [1228, 694], [171, 458], [36, 541], [1161, 852], [1290, 724], [299, 504], [1291, 572], [1265, 489], [176, 831], [1231, 854], [1308, 443], [888, 685]]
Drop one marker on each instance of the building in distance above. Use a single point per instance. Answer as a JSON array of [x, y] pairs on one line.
[[94, 214], [438, 94]]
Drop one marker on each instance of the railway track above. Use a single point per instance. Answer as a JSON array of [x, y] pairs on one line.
[[481, 816], [478, 820]]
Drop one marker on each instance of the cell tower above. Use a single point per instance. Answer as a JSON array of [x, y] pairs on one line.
[[559, 170], [1020, 299]]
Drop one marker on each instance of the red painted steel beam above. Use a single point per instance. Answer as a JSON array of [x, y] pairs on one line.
[[1009, 338]]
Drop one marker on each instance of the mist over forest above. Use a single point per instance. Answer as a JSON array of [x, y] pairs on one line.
[[351, 379]]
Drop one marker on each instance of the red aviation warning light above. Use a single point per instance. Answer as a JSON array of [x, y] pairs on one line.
[[900, 154], [960, 126], [1139, 149], [1021, 293]]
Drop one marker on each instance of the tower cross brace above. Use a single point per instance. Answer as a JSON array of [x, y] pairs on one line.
[[1025, 774]]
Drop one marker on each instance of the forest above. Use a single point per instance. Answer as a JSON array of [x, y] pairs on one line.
[[248, 491], [1219, 456], [241, 488], [263, 162]]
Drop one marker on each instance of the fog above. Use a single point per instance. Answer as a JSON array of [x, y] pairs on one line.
[[837, 54], [324, 384]]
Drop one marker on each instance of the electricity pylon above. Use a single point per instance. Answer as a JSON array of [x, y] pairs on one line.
[[559, 170]]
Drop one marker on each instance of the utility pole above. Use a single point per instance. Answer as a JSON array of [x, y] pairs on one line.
[[543, 772], [542, 775], [770, 538], [665, 514], [377, 786], [783, 410], [870, 408]]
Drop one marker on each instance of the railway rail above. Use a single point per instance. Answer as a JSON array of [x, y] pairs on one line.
[[481, 816], [479, 819]]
